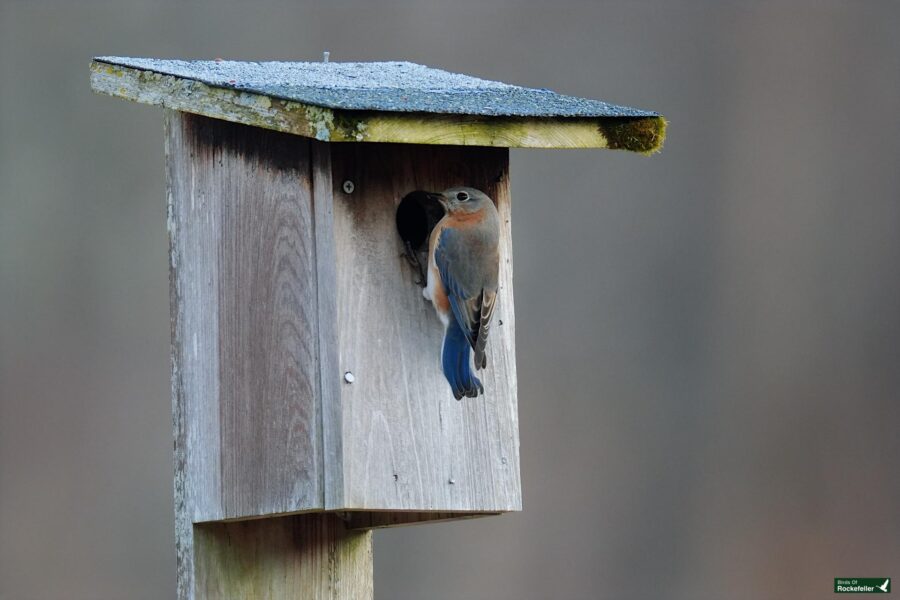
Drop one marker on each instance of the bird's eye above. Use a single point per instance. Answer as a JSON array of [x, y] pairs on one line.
[[462, 196]]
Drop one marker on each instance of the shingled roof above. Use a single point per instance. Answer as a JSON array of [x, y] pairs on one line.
[[378, 101]]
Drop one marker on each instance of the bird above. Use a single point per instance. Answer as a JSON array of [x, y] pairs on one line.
[[884, 586], [462, 282]]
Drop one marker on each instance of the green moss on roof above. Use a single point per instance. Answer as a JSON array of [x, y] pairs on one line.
[[644, 135], [414, 104]]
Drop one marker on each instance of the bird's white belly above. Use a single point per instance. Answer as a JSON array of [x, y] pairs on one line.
[[428, 291]]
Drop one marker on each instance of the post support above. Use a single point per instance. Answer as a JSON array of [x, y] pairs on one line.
[[301, 557]]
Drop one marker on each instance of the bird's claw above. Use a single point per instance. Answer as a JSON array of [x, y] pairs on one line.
[[412, 258]]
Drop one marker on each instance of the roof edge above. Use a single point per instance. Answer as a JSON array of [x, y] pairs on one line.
[[644, 135]]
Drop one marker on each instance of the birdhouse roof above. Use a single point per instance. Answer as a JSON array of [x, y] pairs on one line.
[[378, 101]]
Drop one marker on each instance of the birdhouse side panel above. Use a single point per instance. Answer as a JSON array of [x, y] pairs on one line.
[[244, 305], [407, 444]]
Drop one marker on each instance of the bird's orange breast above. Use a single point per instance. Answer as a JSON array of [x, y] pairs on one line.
[[439, 293]]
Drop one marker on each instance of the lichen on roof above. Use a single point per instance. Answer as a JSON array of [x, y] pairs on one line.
[[380, 86]]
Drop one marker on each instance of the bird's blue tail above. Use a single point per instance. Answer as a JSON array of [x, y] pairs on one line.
[[455, 361]]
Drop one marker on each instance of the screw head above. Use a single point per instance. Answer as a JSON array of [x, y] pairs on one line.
[[451, 481], [348, 187], [348, 377]]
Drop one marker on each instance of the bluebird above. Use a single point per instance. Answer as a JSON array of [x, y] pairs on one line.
[[463, 269]]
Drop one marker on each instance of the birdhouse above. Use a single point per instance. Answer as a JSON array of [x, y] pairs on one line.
[[308, 397]]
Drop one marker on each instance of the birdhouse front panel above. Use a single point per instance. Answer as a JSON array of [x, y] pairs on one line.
[[406, 443]]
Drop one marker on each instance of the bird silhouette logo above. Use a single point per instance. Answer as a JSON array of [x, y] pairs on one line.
[[885, 587]]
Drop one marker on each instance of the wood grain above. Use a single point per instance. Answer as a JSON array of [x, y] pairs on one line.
[[244, 336], [374, 519], [330, 376], [644, 135], [268, 351], [194, 356], [280, 282], [244, 281], [302, 557], [407, 444]]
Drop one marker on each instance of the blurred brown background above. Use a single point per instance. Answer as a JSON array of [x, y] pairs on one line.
[[708, 339]]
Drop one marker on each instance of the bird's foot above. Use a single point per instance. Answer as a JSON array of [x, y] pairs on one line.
[[413, 259]]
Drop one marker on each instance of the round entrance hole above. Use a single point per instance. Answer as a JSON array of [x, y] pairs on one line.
[[417, 215]]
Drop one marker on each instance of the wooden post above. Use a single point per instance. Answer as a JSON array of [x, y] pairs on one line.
[[302, 557]]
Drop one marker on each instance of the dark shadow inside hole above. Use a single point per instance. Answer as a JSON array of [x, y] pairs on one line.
[[417, 215]]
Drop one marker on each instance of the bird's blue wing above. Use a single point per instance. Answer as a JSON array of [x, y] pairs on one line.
[[451, 261]]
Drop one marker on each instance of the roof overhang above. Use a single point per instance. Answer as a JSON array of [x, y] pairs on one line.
[[629, 129]]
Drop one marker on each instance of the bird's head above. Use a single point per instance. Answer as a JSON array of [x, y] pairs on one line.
[[464, 200]]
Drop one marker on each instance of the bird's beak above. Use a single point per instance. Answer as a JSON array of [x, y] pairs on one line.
[[439, 197]]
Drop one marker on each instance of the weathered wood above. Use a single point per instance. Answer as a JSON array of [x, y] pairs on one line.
[[329, 360], [389, 518], [407, 444], [281, 282], [643, 135], [638, 134], [244, 355], [244, 300], [302, 557]]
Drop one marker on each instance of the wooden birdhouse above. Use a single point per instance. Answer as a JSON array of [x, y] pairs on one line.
[[309, 403]]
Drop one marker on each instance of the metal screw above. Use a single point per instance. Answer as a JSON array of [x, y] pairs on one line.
[[348, 187], [452, 481], [348, 377]]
